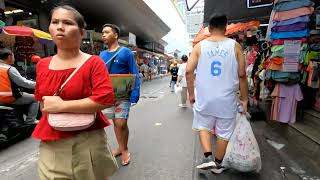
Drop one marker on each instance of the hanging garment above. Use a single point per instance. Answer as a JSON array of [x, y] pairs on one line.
[[281, 41], [292, 27], [270, 25], [304, 47], [314, 47], [276, 64], [283, 77], [252, 55], [313, 74], [291, 21], [285, 15], [278, 51], [290, 34], [312, 56], [285, 6], [264, 91], [285, 102]]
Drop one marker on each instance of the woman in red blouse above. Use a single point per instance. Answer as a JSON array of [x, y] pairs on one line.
[[79, 155]]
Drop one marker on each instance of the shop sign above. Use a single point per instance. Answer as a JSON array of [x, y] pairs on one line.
[[132, 39], [258, 3]]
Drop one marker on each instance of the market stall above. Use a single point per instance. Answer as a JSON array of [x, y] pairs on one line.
[[284, 73], [25, 42], [92, 42], [231, 29]]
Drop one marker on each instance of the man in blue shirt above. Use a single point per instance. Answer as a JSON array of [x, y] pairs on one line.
[[123, 63]]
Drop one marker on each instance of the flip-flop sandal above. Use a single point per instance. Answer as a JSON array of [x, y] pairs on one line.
[[118, 153], [127, 162]]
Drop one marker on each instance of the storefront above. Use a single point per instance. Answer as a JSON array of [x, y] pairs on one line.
[[282, 61], [285, 70], [24, 47], [92, 42]]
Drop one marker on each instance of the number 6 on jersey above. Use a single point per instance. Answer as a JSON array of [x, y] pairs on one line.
[[216, 68]]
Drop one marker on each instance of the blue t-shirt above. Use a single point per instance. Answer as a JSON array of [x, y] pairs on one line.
[[290, 34], [124, 63]]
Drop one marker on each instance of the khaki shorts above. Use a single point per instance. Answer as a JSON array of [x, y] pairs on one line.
[[86, 156]]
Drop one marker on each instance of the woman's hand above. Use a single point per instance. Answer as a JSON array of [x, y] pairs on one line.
[[52, 104]]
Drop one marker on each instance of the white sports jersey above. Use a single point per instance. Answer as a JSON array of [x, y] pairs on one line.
[[217, 80]]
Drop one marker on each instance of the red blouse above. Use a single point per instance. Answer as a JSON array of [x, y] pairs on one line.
[[92, 81]]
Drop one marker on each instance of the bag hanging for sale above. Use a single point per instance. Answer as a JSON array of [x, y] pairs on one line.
[[243, 152]]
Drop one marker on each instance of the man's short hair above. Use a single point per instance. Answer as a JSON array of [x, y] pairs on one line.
[[184, 58], [4, 53], [114, 28], [218, 21]]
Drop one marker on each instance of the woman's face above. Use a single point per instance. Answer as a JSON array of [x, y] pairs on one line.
[[65, 30]]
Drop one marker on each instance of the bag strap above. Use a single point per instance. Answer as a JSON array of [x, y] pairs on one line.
[[71, 75], [113, 58]]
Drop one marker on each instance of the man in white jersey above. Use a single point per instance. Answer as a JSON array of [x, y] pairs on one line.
[[220, 67]]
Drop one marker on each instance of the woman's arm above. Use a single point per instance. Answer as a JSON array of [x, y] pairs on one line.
[[54, 104], [101, 97]]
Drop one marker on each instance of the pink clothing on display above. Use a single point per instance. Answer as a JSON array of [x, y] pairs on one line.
[[285, 15], [252, 55], [284, 105]]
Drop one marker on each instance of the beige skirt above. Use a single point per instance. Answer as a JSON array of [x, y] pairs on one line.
[[86, 156]]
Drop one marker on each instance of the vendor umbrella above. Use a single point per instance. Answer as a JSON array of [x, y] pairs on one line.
[[231, 29], [27, 31]]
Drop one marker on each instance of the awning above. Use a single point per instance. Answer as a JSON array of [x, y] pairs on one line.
[[231, 29], [26, 31]]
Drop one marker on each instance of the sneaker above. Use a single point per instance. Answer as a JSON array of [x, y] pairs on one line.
[[218, 169], [207, 163]]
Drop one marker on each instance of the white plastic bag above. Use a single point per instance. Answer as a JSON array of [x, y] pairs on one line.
[[243, 152], [177, 89]]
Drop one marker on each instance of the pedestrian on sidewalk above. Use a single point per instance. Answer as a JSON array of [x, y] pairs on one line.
[[83, 154], [150, 71], [174, 75], [182, 81], [220, 69], [123, 63]]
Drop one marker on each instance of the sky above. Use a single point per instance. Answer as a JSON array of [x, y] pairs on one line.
[[177, 38]]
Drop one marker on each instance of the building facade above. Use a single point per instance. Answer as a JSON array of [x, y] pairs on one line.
[[195, 20]]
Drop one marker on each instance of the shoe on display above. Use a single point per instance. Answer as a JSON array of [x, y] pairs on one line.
[[218, 169], [207, 163]]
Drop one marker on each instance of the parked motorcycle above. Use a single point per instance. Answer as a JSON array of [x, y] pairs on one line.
[[12, 126]]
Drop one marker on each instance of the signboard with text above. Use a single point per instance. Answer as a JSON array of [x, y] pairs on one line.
[[258, 3]]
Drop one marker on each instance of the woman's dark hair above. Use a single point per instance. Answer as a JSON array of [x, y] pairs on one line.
[[218, 21], [4, 52], [78, 17], [114, 28]]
